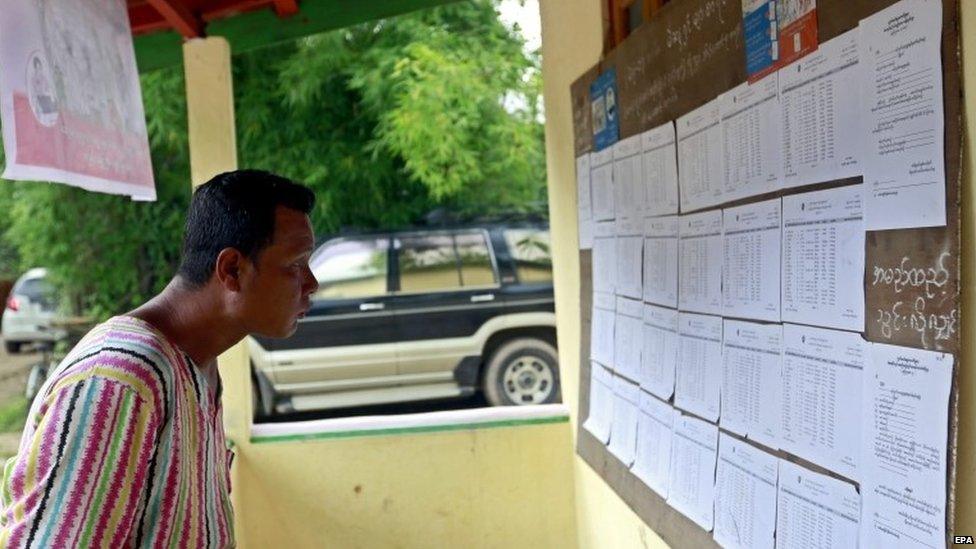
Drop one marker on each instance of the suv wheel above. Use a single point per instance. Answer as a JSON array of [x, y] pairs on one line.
[[12, 347], [521, 372]]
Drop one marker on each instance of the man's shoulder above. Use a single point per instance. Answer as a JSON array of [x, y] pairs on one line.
[[120, 352]]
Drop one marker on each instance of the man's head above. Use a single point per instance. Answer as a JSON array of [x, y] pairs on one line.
[[248, 239]]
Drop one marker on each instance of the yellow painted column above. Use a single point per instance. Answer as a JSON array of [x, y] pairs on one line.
[[213, 150]]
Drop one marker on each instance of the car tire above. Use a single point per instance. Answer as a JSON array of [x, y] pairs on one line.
[[12, 347], [521, 372]]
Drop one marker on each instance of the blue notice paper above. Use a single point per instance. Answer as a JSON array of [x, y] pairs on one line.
[[606, 114], [759, 25]]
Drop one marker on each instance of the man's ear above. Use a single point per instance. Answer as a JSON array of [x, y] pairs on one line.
[[228, 268]]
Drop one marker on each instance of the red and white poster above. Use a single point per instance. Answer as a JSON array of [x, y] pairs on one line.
[[71, 105]]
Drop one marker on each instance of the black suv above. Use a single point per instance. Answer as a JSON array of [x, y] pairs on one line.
[[420, 314]]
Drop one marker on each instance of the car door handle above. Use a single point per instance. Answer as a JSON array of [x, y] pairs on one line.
[[483, 298], [371, 306]]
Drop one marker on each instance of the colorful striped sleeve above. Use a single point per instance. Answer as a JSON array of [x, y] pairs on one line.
[[78, 480]]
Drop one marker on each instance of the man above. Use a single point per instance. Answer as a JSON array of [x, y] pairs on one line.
[[124, 446]]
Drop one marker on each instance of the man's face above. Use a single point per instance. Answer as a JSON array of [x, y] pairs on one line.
[[277, 292]]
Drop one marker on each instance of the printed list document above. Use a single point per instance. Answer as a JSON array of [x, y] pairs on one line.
[[602, 328], [752, 403], [814, 510], [661, 260], [752, 130], [822, 380], [904, 168], [653, 462], [823, 258], [629, 253], [627, 184], [700, 262], [906, 428], [821, 112], [660, 350], [628, 328], [604, 257], [660, 167], [601, 184], [698, 375], [700, 174], [751, 265], [623, 433], [745, 495], [694, 450], [584, 205], [600, 417]]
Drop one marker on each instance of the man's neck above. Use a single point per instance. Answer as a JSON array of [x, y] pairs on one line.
[[193, 321]]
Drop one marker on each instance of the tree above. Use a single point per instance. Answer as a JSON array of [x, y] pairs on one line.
[[384, 121]]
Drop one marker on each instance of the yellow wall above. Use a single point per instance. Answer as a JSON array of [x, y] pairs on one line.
[[502, 487], [571, 42]]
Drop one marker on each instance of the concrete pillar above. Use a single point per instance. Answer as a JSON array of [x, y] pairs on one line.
[[213, 150]]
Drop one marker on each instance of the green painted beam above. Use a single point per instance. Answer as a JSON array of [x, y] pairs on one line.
[[261, 28]]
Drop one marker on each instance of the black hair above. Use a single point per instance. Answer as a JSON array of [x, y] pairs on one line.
[[235, 210]]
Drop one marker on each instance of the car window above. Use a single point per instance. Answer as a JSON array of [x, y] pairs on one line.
[[35, 289], [351, 268], [530, 251], [428, 263], [476, 266]]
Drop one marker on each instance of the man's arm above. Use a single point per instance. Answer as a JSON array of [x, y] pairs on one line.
[[79, 479]]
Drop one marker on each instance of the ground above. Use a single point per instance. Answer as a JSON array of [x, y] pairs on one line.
[[13, 377]]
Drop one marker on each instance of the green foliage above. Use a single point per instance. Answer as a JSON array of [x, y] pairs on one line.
[[13, 414], [385, 121]]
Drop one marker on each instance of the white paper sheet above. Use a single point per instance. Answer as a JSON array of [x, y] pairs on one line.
[[623, 434], [602, 328], [627, 180], [654, 430], [823, 258], [698, 375], [627, 338], [604, 257], [906, 428], [752, 130], [822, 379], [601, 184], [660, 164], [70, 97], [600, 417], [745, 495], [700, 262], [751, 265], [694, 450], [821, 114], [752, 402], [660, 351], [584, 203], [661, 260], [630, 257], [904, 168], [814, 510], [700, 172]]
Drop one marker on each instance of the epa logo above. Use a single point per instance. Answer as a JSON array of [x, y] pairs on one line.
[[963, 540]]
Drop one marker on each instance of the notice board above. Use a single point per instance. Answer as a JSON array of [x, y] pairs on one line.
[[691, 52]]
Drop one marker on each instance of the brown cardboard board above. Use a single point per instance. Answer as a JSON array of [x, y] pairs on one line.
[[685, 57]]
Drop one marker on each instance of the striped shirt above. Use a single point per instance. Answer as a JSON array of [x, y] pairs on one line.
[[124, 447]]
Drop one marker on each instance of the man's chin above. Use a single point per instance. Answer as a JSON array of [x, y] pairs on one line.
[[281, 333]]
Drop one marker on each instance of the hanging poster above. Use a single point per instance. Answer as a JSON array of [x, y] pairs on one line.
[[70, 100], [606, 114]]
